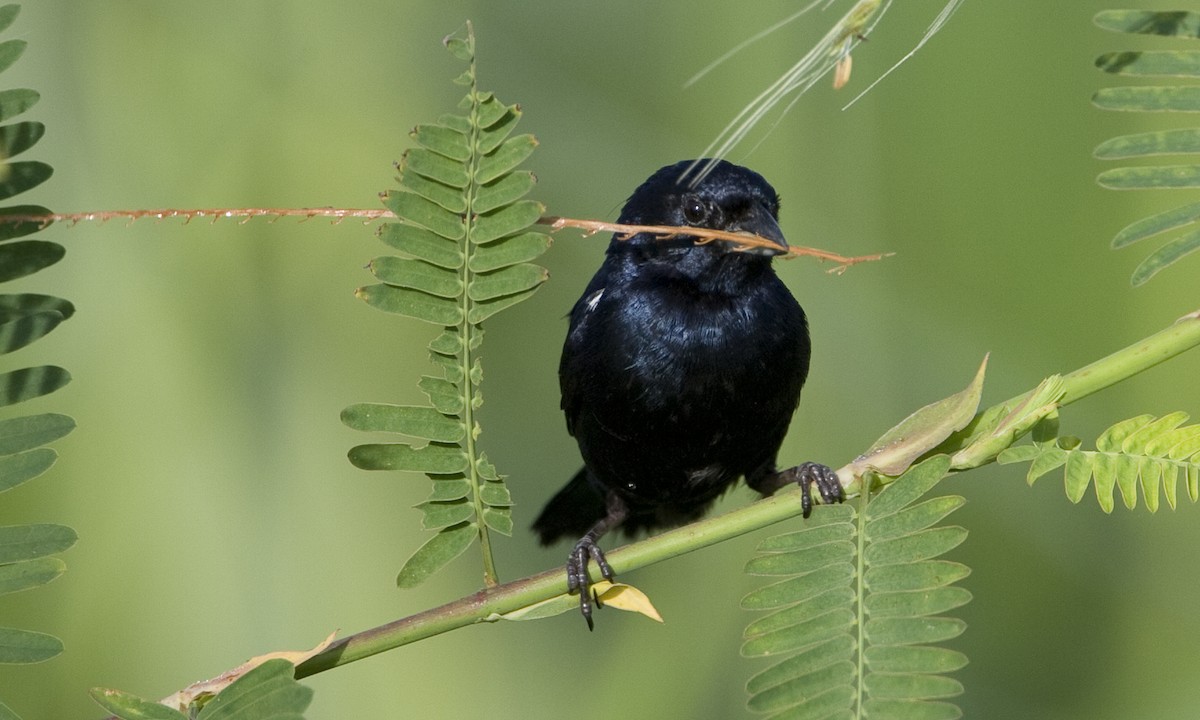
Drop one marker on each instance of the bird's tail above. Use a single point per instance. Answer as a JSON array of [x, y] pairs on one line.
[[572, 511]]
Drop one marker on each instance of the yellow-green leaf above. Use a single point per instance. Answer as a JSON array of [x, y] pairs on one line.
[[625, 597], [1114, 437]]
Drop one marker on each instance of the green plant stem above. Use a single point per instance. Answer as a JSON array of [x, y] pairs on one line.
[[860, 580], [1163, 345], [487, 605], [471, 333], [1159, 347]]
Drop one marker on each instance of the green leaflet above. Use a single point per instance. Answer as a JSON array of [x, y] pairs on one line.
[[131, 707], [18, 576], [430, 459], [10, 52], [15, 102], [266, 692], [17, 468], [425, 422], [922, 431], [1165, 256], [857, 615], [1153, 98], [23, 175], [1146, 22], [25, 542], [1154, 455], [25, 647], [16, 334], [26, 550], [438, 551], [1176, 63], [19, 137], [26, 257], [465, 232]]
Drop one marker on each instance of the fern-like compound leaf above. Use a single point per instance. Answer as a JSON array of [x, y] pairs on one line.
[[26, 551], [1143, 455], [464, 229], [855, 608], [1178, 141]]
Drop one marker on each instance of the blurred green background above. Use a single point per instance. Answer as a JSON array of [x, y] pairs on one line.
[[218, 516]]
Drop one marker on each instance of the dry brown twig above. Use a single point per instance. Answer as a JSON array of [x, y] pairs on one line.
[[212, 214], [705, 235], [589, 227]]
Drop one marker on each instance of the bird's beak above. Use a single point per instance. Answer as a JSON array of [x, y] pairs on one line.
[[759, 222]]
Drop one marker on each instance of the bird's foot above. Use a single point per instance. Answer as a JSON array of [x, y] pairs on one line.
[[578, 579], [809, 474]]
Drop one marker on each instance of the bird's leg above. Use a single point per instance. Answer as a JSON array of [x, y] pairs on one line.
[[587, 549], [806, 475]]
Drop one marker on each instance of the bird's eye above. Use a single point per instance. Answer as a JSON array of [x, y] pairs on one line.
[[695, 210]]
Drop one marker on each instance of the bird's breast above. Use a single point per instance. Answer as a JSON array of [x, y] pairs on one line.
[[682, 347]]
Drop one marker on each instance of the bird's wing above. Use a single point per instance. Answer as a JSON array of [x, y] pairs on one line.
[[576, 347]]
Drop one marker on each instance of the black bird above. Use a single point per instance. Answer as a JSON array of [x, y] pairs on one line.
[[681, 369]]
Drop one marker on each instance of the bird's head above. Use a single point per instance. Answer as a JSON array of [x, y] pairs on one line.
[[729, 198]]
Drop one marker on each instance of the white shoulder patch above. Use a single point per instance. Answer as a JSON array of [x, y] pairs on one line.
[[594, 299]]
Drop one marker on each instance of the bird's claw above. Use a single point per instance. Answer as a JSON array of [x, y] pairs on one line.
[[811, 473], [578, 579]]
